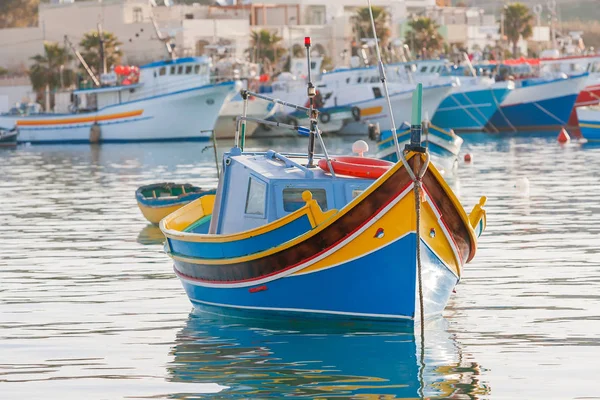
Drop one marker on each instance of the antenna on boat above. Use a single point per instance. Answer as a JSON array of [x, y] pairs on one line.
[[384, 82], [312, 113]]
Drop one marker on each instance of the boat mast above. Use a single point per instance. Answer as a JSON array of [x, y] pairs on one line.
[[102, 52], [384, 83], [82, 61], [312, 113]]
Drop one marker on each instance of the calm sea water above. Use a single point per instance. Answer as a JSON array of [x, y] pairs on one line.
[[90, 307]]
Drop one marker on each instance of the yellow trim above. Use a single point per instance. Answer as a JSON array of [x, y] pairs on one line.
[[589, 126], [155, 214], [184, 217], [392, 138], [366, 112], [76, 120]]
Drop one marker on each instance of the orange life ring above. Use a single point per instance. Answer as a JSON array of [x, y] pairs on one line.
[[360, 167]]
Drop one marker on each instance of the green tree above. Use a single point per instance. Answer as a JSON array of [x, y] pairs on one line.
[[50, 69], [18, 13], [517, 23], [363, 28], [424, 36], [91, 50], [266, 45]]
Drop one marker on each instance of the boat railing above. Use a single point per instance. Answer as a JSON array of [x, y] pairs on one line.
[[289, 163]]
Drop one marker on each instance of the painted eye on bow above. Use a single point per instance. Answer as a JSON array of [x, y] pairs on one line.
[[380, 233]]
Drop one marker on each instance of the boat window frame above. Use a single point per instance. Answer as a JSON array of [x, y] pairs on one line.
[[180, 70], [173, 70], [197, 69], [162, 71], [312, 189], [189, 69], [264, 186]]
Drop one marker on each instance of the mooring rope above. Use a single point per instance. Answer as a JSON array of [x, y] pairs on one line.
[[417, 181]]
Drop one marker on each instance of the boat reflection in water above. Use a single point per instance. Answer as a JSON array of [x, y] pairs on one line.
[[150, 235], [273, 359]]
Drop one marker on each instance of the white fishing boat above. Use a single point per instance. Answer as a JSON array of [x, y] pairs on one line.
[[173, 100]]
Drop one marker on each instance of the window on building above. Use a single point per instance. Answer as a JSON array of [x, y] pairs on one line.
[[162, 71], [292, 198], [256, 198], [138, 14], [188, 69]]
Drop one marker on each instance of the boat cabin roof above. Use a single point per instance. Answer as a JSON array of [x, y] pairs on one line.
[[259, 188]]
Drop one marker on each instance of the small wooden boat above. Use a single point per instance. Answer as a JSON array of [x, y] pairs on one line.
[[441, 143], [158, 200], [283, 236], [589, 123], [8, 137]]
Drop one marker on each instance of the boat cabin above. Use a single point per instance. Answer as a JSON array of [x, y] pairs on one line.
[[258, 188], [155, 79]]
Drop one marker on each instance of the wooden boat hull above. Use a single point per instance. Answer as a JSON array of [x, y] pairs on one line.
[[155, 209], [360, 262]]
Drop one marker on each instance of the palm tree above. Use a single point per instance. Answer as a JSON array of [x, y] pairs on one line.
[[91, 50], [517, 23], [48, 70], [364, 29], [267, 45], [424, 37]]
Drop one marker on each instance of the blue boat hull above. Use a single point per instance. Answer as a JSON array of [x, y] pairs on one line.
[[379, 285], [469, 111], [591, 133], [551, 113]]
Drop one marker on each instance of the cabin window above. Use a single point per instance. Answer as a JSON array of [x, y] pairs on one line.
[[180, 70], [256, 198], [423, 69], [359, 80], [377, 92], [162, 71], [432, 69], [196, 69], [172, 72], [188, 69], [292, 198]]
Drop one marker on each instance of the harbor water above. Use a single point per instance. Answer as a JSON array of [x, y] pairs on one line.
[[90, 306]]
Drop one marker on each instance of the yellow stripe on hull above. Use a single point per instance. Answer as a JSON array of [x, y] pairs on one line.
[[367, 112], [399, 221], [155, 214], [78, 120]]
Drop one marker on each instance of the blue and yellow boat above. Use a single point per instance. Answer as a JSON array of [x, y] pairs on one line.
[[284, 236], [158, 200], [443, 144]]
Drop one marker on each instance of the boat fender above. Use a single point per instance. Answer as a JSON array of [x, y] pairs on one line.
[[325, 117], [95, 133], [292, 121], [356, 113]]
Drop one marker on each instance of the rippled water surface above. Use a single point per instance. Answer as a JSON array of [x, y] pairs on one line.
[[90, 307]]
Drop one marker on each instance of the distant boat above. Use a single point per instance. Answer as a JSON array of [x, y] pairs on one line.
[[8, 137], [158, 200], [173, 100], [442, 143], [589, 123]]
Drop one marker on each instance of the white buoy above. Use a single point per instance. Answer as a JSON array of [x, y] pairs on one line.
[[360, 147]]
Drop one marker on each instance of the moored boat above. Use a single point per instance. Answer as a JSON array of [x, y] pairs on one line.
[[158, 200], [8, 137], [589, 123], [283, 236]]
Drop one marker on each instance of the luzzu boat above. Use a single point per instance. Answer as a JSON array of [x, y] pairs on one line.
[[158, 200], [589, 123], [286, 237], [442, 143]]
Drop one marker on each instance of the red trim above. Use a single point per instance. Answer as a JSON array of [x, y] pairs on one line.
[[306, 259]]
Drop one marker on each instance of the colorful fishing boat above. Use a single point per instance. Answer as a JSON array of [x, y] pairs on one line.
[[589, 123], [282, 235], [8, 137], [441, 143], [158, 200]]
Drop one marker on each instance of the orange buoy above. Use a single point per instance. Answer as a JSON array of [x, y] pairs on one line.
[[468, 158], [563, 136]]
